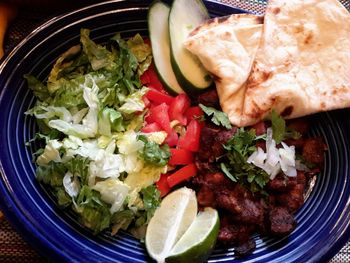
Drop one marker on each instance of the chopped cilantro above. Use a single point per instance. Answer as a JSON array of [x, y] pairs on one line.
[[278, 127], [279, 130], [236, 168], [154, 153], [151, 200], [217, 117], [227, 172]]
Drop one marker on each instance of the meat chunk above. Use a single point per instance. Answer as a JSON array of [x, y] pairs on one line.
[[292, 199], [300, 125], [251, 212], [212, 141], [280, 183], [225, 135], [208, 135], [204, 166], [298, 143], [241, 204], [206, 197], [260, 128], [313, 151], [234, 234], [282, 221], [245, 249], [209, 98]]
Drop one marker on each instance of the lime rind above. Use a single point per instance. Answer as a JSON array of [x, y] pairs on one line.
[[199, 240]]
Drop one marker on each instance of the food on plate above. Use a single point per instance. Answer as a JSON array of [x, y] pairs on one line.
[[123, 153], [199, 239], [89, 114], [184, 16], [176, 233], [256, 177], [227, 46], [300, 67], [177, 212], [158, 25]]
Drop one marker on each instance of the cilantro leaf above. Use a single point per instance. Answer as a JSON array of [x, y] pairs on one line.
[[217, 117], [154, 153], [279, 130], [94, 212], [151, 200], [236, 168], [121, 220], [278, 127], [227, 172]]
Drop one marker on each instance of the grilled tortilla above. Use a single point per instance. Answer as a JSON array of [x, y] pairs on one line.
[[226, 46], [302, 65]]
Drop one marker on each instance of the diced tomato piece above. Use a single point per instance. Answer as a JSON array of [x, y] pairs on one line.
[[145, 78], [154, 80], [180, 157], [172, 139], [149, 118], [150, 78], [182, 174], [178, 108], [194, 113], [160, 115], [162, 185], [151, 127], [158, 97], [190, 141]]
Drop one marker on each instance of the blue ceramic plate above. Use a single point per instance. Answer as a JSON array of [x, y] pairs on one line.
[[323, 221]]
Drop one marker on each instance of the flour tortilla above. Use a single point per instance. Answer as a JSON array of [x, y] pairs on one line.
[[303, 63], [226, 46]]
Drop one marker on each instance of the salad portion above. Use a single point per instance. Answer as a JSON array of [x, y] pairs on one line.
[[94, 158]]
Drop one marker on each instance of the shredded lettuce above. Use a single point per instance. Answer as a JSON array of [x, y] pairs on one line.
[[89, 113]]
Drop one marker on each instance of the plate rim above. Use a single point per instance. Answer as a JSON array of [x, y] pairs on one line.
[[14, 214]]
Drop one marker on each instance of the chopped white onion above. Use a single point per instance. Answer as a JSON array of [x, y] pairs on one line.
[[275, 160]]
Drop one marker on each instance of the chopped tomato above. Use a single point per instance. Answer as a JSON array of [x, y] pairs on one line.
[[160, 115], [190, 141], [178, 108], [182, 174], [162, 185], [151, 127], [145, 78], [150, 78], [172, 139], [158, 97], [180, 157], [149, 118], [194, 113]]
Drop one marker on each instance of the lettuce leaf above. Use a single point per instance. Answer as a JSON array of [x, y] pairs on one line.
[[113, 192], [98, 55], [95, 213], [142, 52]]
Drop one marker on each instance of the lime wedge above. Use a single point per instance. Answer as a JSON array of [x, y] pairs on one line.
[[176, 213], [199, 239]]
